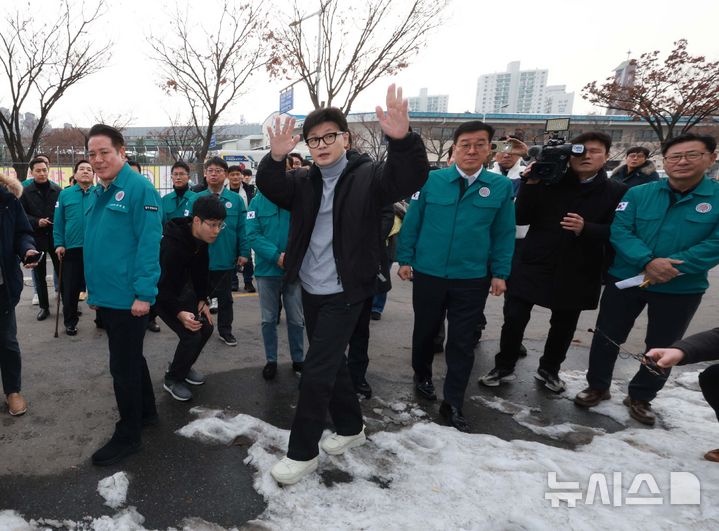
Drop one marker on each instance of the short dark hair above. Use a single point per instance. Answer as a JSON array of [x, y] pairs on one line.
[[638, 149], [247, 172], [216, 161], [326, 114], [180, 164], [36, 160], [471, 127], [596, 136], [234, 168], [77, 165], [135, 164], [209, 207], [709, 141], [42, 156], [113, 134], [296, 155], [450, 151]]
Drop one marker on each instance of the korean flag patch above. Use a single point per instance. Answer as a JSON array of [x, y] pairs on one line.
[[415, 196], [622, 206], [250, 214]]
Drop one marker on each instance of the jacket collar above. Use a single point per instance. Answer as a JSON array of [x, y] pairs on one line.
[[704, 188]]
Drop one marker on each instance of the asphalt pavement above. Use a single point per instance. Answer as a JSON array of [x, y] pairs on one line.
[[45, 469]]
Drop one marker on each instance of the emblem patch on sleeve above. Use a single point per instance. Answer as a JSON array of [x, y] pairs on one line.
[[251, 214], [415, 196], [622, 206]]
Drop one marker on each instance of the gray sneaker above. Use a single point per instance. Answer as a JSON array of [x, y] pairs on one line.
[[178, 390], [551, 381], [194, 377], [497, 376]]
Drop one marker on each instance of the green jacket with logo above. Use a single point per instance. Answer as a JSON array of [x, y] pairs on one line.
[[122, 242], [174, 206], [267, 229], [232, 241], [647, 225], [68, 225], [446, 236]]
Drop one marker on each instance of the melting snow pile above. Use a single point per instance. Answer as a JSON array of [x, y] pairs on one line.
[[428, 476]]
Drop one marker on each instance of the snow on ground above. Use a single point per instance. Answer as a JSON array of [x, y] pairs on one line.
[[428, 476], [114, 489]]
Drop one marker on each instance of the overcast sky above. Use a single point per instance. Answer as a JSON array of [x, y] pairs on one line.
[[577, 41]]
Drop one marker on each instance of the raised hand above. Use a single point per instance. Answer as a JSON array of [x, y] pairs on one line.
[[281, 140], [395, 121]]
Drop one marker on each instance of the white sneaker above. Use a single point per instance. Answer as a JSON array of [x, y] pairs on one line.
[[288, 471], [337, 444], [35, 300]]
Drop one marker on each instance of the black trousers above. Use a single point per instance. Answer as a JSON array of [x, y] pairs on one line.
[[71, 284], [190, 345], [10, 363], [517, 313], [357, 354], [221, 287], [248, 270], [461, 299], [325, 384], [130, 377], [40, 272], [709, 383], [668, 319]]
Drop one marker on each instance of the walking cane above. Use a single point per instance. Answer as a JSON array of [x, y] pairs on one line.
[[59, 296]]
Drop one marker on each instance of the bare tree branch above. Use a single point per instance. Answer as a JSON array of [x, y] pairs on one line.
[[359, 45], [683, 90], [210, 67], [41, 61]]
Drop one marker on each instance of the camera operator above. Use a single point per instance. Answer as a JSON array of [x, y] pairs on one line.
[[563, 256], [183, 289]]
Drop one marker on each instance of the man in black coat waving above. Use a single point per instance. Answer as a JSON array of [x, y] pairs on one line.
[[563, 257], [334, 250]]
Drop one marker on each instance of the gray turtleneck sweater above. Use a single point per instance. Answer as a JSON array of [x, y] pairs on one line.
[[318, 272]]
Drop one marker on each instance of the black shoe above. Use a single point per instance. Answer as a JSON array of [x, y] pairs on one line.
[[43, 314], [152, 326], [79, 313], [249, 288], [437, 348], [229, 340], [71, 330], [425, 389], [364, 389], [270, 370], [235, 287], [114, 452], [375, 316], [454, 417], [99, 325], [297, 366], [522, 351]]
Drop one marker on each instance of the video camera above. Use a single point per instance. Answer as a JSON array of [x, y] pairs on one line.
[[552, 159]]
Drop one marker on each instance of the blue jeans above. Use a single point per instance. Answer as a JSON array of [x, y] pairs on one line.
[[270, 289], [378, 302]]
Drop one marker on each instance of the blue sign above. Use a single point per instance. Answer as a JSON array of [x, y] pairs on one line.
[[287, 100], [213, 141]]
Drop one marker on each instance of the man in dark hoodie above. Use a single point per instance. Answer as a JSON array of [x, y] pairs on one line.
[[183, 289], [637, 169]]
